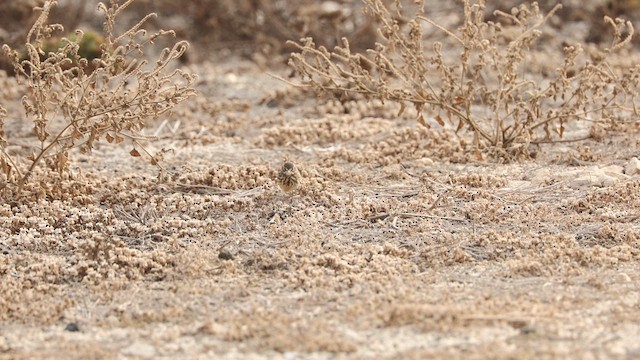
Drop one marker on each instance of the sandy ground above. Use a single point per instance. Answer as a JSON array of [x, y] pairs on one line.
[[398, 245]]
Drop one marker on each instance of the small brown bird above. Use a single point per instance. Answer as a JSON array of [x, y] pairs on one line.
[[288, 177]]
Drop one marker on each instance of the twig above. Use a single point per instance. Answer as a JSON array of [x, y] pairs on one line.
[[551, 141], [210, 189], [385, 215]]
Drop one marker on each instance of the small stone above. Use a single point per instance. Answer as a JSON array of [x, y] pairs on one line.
[[595, 178], [4, 345], [72, 327], [623, 277], [543, 177], [584, 181], [225, 254], [612, 170], [527, 330], [425, 161], [633, 167], [330, 8], [606, 180]]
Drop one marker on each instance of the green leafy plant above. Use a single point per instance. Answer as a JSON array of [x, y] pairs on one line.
[[89, 46], [478, 80], [76, 99]]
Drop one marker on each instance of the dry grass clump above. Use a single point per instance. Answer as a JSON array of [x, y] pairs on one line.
[[322, 131], [486, 181], [35, 285], [478, 80], [100, 258], [613, 235], [361, 109], [74, 108], [28, 301], [407, 143], [226, 177], [624, 195], [270, 329], [431, 317]]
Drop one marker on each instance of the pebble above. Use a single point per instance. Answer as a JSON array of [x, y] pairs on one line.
[[633, 167], [596, 178]]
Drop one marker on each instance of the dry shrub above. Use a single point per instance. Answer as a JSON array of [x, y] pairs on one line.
[[478, 79], [74, 102]]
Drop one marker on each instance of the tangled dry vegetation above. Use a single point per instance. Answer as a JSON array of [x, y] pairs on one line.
[[75, 102], [395, 243], [478, 81]]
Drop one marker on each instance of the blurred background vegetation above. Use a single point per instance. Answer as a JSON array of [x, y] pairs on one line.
[[258, 29]]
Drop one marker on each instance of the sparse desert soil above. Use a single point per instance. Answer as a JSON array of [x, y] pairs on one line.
[[398, 245], [394, 247]]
